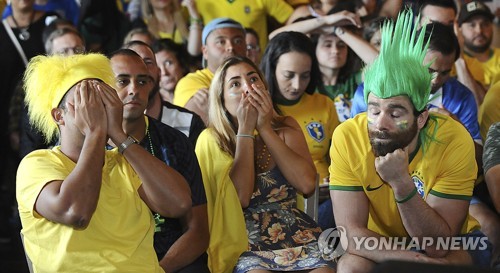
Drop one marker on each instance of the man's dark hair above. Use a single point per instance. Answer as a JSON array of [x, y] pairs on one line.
[[178, 50], [442, 39], [439, 3], [253, 32], [124, 52]]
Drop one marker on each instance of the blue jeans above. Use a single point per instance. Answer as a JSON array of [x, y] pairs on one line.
[[325, 215]]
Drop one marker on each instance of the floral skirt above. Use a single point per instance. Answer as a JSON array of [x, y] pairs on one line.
[[280, 236], [289, 259]]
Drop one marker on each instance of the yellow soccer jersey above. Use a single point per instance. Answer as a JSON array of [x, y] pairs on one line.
[[226, 223], [317, 118], [489, 111], [487, 72], [119, 237], [176, 36], [3, 3], [190, 84], [448, 170], [251, 14]]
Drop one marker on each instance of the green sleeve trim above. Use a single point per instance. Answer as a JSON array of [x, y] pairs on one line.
[[451, 196], [346, 188]]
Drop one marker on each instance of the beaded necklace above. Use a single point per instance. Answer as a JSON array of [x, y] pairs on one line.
[[159, 220], [263, 157], [151, 150]]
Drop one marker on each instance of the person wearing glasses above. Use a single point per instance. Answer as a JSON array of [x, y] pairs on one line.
[[253, 48], [64, 41]]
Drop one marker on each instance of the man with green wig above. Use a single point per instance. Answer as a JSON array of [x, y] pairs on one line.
[[84, 209], [401, 178]]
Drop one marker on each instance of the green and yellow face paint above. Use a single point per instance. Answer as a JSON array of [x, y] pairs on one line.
[[370, 120], [402, 125]]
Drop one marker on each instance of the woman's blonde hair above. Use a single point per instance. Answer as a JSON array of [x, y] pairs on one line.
[[153, 24], [219, 119]]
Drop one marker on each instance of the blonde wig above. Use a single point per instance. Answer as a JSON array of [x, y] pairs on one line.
[[48, 78]]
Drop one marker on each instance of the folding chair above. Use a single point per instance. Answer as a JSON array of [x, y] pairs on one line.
[[311, 203]]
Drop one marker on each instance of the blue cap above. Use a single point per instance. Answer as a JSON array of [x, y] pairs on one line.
[[219, 23]]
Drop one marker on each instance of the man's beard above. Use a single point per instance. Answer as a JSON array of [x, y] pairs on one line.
[[397, 140], [478, 48]]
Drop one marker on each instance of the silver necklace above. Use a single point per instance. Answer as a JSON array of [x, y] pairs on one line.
[[24, 34]]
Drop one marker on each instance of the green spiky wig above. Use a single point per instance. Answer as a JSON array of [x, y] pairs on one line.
[[399, 69], [48, 78]]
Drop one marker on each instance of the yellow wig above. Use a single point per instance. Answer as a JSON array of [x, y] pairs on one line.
[[48, 78]]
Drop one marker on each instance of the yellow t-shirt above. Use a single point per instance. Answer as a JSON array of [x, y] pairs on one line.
[[119, 237], [317, 118], [488, 72], [176, 36], [190, 84], [295, 3], [228, 237], [3, 3], [489, 111], [447, 170], [249, 13]]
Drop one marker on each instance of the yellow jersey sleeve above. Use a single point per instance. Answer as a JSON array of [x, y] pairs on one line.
[[342, 167], [279, 9], [190, 84], [36, 170], [228, 238], [457, 159], [489, 112]]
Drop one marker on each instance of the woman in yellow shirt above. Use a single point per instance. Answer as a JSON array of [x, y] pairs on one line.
[[166, 19]]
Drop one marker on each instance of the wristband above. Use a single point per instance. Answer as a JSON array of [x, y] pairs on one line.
[[334, 29], [408, 197], [129, 141], [245, 135], [338, 29], [196, 20]]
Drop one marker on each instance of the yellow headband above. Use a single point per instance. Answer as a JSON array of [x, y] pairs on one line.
[[48, 78]]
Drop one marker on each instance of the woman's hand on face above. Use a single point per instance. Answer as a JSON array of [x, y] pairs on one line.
[[343, 18], [260, 98], [246, 115]]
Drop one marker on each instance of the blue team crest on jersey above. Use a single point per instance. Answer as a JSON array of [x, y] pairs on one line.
[[419, 184], [316, 131]]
